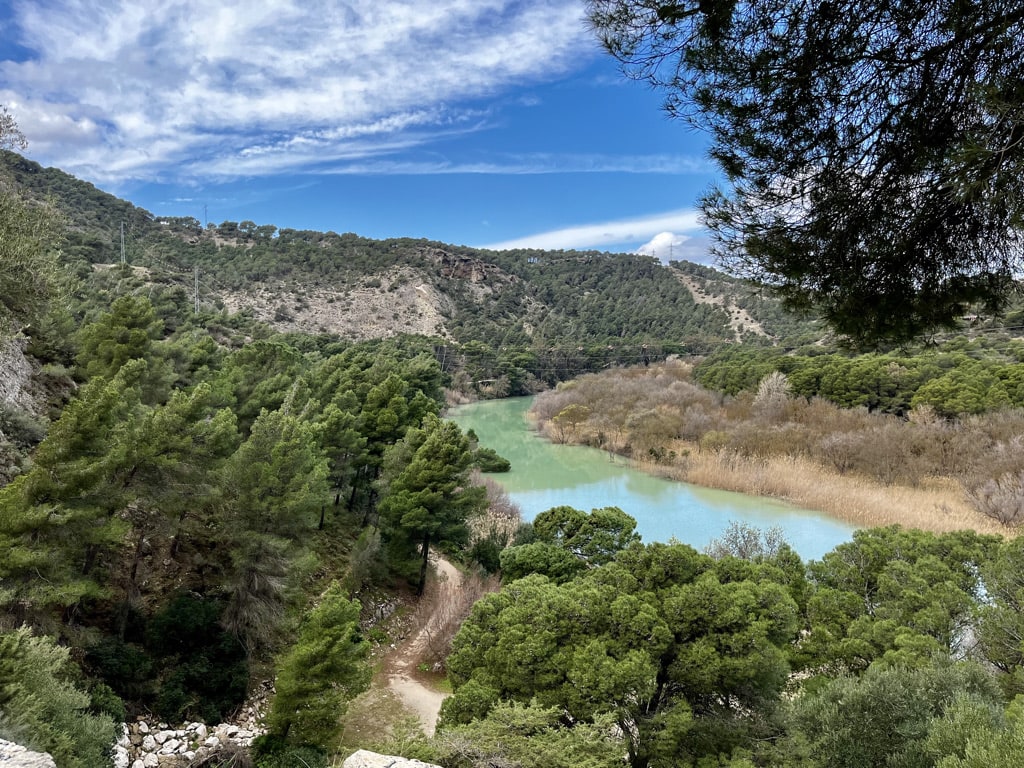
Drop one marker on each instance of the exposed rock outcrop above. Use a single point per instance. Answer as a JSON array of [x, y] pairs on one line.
[[16, 376], [16, 756], [366, 759]]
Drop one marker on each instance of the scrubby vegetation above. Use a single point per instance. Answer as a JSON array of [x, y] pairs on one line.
[[867, 466]]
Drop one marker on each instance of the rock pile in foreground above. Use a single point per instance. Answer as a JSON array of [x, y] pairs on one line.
[[142, 745]]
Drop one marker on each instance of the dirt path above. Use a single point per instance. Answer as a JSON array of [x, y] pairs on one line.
[[400, 670]]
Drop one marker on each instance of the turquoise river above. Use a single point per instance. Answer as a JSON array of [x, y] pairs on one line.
[[546, 475]]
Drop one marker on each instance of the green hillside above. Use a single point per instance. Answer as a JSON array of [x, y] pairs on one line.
[[520, 318]]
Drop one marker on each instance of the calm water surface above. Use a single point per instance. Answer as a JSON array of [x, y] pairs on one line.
[[545, 475]]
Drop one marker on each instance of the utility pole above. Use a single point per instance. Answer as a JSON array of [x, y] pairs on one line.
[[122, 243], [196, 312]]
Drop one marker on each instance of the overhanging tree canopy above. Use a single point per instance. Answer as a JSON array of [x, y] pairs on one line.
[[873, 149]]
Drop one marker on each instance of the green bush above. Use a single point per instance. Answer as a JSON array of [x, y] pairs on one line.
[[488, 460], [487, 552], [43, 708], [272, 751], [104, 701], [20, 427], [187, 667], [205, 671], [125, 667]]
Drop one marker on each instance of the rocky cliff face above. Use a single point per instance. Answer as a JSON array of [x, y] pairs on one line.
[[16, 377]]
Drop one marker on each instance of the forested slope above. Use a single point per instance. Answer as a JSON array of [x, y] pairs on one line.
[[539, 316]]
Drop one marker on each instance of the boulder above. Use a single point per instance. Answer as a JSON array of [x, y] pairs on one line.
[[16, 756], [366, 759]]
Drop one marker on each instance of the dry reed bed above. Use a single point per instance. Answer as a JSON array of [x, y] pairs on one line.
[[936, 506]]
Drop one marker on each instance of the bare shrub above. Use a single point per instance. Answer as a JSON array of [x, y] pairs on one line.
[[226, 755], [546, 405], [695, 423], [715, 441], [1005, 457], [747, 541], [840, 450], [751, 438], [951, 449], [502, 517], [1001, 499], [772, 396], [1001, 427], [449, 608], [652, 428], [888, 455]]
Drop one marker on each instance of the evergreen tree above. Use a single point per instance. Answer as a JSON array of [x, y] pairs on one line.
[[274, 487], [871, 148], [43, 709], [430, 499], [320, 673], [685, 653], [59, 521]]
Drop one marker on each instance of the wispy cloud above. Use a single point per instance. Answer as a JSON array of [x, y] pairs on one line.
[[627, 233], [144, 88], [532, 164]]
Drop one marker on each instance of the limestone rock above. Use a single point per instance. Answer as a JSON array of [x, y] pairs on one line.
[[16, 756], [121, 758], [366, 759]]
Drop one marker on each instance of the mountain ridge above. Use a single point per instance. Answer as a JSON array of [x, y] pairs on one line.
[[360, 288]]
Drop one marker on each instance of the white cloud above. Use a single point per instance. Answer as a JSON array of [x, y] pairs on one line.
[[663, 246], [533, 164], [622, 233], [673, 246], [134, 88]]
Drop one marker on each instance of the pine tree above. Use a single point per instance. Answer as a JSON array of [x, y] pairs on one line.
[[320, 673], [42, 708], [430, 499]]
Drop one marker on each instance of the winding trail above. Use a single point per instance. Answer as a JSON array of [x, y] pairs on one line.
[[400, 667]]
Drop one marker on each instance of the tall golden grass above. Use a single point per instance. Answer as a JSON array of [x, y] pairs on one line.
[[938, 505]]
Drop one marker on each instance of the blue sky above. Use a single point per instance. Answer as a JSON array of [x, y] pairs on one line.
[[491, 123]]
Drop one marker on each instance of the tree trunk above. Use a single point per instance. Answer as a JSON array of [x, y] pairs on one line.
[[175, 540], [423, 565], [91, 553]]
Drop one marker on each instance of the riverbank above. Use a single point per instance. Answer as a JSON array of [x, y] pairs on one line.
[[853, 466], [937, 505]]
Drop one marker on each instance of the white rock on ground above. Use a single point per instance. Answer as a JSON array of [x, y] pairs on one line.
[[16, 756], [366, 759]]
